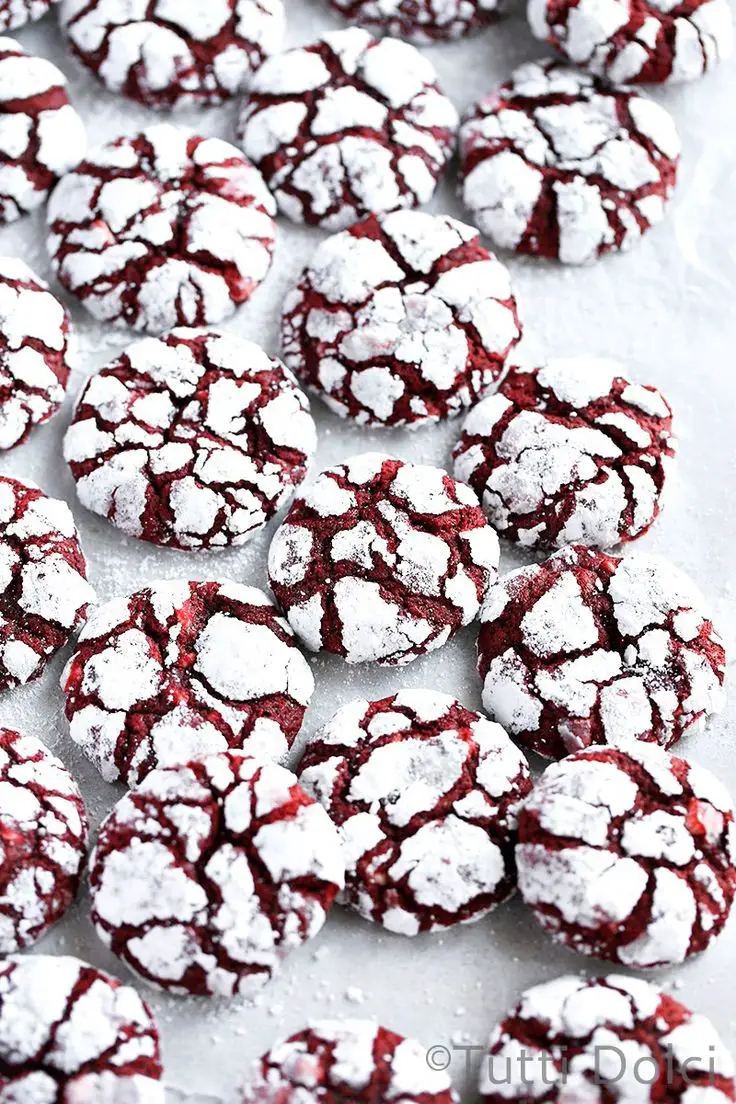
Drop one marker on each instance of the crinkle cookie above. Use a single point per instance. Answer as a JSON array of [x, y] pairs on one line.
[[43, 840], [421, 21], [191, 440], [382, 560], [628, 854], [184, 669], [174, 53], [70, 1034], [426, 795], [603, 1039], [15, 13], [401, 320], [567, 453], [637, 41], [162, 229], [348, 126], [41, 135], [556, 163], [587, 648], [207, 874], [44, 591]]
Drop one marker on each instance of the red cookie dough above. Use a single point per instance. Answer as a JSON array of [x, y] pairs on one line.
[[628, 854], [568, 453], [206, 874], [192, 440], [70, 1034], [426, 795], [382, 560], [556, 163], [162, 229], [587, 648], [183, 669], [336, 1061], [44, 591], [41, 135], [641, 41], [604, 1039], [421, 21], [14, 13], [401, 320], [348, 126], [174, 53], [43, 840]]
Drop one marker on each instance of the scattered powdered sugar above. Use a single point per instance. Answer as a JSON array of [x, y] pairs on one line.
[[15, 13], [421, 21]]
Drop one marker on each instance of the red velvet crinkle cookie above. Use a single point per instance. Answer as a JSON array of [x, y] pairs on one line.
[[36, 350], [41, 135], [382, 560], [15, 13], [603, 1039], [171, 54], [426, 795], [421, 21], [642, 41], [183, 669], [70, 1034], [191, 440], [44, 591], [587, 648], [628, 854], [337, 1061], [556, 163], [401, 320], [206, 874], [162, 229], [568, 453], [348, 126], [43, 840]]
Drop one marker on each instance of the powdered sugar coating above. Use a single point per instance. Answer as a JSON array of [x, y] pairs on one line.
[[191, 440], [421, 21], [587, 648], [426, 795], [556, 163], [382, 560], [629, 854], [41, 135], [70, 1034], [401, 320], [647, 41], [43, 840], [206, 874], [180, 670], [162, 229], [44, 591], [567, 453], [164, 54], [348, 126], [15, 13], [600, 1039]]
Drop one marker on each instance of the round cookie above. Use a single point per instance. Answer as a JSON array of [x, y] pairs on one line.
[[556, 163], [426, 795], [36, 350], [162, 229], [382, 560], [348, 126], [41, 135], [421, 21], [207, 874], [44, 591], [70, 1034], [43, 840], [629, 854], [169, 54], [15, 13], [191, 440], [567, 453], [401, 320], [182, 669], [587, 648], [603, 1039], [637, 41]]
